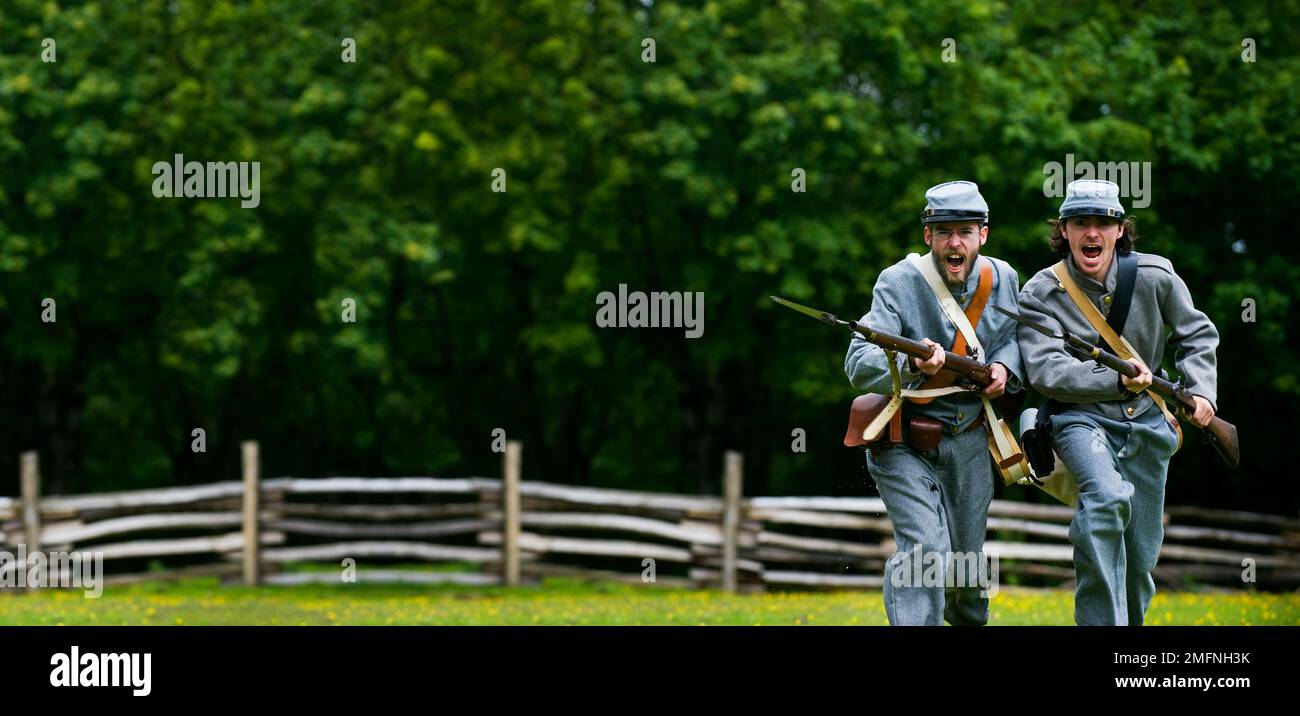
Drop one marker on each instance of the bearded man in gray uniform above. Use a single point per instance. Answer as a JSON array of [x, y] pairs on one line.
[[938, 498], [1106, 429]]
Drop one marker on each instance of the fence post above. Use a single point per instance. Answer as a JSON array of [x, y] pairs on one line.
[[30, 478], [731, 518], [510, 508], [252, 493]]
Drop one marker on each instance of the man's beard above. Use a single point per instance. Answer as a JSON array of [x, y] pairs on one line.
[[940, 258]]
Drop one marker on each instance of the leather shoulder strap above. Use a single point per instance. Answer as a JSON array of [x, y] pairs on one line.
[[982, 292], [1125, 281]]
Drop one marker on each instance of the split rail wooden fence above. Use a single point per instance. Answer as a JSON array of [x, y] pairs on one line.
[[483, 531]]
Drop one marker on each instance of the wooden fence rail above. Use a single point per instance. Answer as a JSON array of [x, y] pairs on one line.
[[510, 531]]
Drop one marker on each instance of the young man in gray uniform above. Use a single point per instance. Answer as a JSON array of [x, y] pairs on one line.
[[1104, 427], [938, 498]]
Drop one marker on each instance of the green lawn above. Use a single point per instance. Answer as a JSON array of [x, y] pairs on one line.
[[204, 602]]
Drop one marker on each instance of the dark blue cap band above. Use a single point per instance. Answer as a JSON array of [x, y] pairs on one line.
[[1092, 211]]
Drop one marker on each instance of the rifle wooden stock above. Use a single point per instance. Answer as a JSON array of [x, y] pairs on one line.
[[964, 366], [1221, 433], [1008, 405]]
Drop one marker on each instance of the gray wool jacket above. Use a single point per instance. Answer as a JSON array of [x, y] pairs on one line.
[[903, 304], [1160, 299]]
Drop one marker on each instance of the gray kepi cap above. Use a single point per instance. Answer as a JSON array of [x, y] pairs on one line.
[[955, 201], [1092, 197]]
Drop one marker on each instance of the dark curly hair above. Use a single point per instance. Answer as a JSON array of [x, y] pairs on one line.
[[1061, 245]]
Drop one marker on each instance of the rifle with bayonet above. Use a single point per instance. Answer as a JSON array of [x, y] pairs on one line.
[[966, 367], [1221, 434]]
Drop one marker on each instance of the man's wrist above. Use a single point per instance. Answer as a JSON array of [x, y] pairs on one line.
[[1012, 380]]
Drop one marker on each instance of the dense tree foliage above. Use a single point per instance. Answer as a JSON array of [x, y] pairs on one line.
[[475, 309]]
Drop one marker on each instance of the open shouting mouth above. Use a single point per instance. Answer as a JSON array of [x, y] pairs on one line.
[[955, 262], [1089, 257]]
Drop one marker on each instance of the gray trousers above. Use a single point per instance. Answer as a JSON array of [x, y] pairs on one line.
[[1118, 522], [938, 502]]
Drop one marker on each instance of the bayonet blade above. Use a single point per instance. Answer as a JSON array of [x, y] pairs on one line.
[[822, 316], [1026, 322]]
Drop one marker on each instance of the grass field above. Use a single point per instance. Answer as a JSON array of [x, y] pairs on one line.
[[558, 601]]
